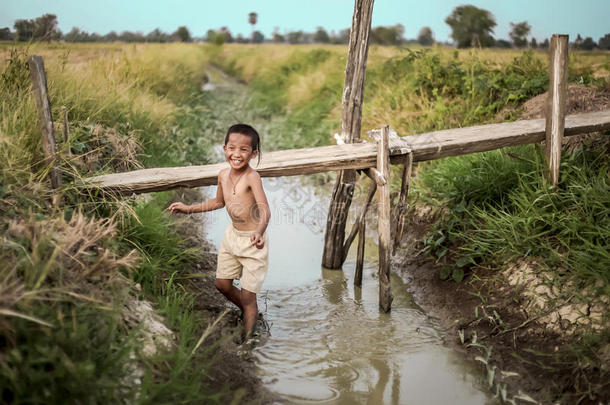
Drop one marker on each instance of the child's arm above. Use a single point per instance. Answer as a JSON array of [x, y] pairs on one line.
[[208, 205], [263, 209]]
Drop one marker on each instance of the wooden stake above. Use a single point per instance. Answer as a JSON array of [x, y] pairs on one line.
[[360, 254], [45, 119], [350, 239], [401, 207], [353, 91], [556, 103], [384, 230]]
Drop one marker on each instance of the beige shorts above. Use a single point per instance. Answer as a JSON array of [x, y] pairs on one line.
[[239, 259]]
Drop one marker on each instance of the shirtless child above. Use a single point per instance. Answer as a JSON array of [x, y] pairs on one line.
[[244, 251]]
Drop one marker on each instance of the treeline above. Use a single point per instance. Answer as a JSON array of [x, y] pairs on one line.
[[470, 27]]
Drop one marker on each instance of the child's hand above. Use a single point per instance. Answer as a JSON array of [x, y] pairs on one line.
[[257, 240], [178, 207]]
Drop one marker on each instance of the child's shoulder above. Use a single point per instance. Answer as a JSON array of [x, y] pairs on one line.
[[253, 175], [223, 173]]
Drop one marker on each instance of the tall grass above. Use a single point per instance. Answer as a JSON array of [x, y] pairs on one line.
[[68, 270]]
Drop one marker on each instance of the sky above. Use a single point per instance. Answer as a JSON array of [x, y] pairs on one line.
[[584, 17]]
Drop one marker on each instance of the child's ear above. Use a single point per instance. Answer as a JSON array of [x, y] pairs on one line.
[[254, 153]]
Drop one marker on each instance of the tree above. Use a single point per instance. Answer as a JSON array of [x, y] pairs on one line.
[[387, 35], [111, 36], [24, 30], [545, 44], [425, 36], [258, 37], [577, 42], [321, 36], [45, 28], [533, 43], [252, 19], [6, 34], [519, 32], [341, 38], [295, 37], [183, 34], [588, 44], [604, 42], [471, 26], [502, 43]]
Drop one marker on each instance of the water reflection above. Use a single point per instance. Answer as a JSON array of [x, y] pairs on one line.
[[329, 342]]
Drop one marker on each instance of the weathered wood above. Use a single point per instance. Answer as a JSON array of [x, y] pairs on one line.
[[427, 146], [360, 254], [45, 119], [401, 207], [383, 220], [352, 235], [351, 114], [556, 103], [374, 175]]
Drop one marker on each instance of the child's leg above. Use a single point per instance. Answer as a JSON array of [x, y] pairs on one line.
[[226, 287], [250, 308]]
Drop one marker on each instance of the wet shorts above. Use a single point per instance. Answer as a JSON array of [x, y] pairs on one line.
[[239, 259]]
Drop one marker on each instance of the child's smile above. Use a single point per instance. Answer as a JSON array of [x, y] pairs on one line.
[[238, 151]]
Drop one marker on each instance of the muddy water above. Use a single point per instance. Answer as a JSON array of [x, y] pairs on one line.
[[328, 341]]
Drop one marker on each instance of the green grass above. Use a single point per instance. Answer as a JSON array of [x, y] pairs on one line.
[[142, 106]]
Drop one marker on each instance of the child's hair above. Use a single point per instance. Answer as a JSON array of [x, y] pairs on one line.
[[247, 130]]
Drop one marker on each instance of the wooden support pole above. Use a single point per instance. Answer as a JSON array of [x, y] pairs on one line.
[[45, 119], [374, 175], [384, 230], [556, 103], [360, 254], [401, 208], [351, 107], [352, 235]]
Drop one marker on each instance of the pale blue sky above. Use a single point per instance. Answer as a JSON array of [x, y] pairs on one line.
[[587, 17]]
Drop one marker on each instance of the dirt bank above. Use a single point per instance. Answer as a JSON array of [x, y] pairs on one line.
[[522, 356], [539, 338]]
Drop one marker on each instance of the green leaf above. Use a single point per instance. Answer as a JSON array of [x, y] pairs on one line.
[[458, 275]]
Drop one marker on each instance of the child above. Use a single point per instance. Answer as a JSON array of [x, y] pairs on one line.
[[243, 252]]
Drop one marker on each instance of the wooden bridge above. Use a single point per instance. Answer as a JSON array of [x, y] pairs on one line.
[[374, 159], [293, 162]]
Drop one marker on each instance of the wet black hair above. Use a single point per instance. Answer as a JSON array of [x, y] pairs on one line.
[[247, 130]]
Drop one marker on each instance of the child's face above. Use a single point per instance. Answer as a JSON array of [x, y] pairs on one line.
[[238, 150]]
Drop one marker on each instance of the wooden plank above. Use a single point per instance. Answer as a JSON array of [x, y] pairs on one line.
[[556, 103], [401, 207], [427, 146], [383, 222], [360, 254], [45, 119], [351, 114]]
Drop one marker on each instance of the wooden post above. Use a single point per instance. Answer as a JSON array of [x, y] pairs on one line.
[[360, 254], [556, 103], [359, 220], [384, 230], [401, 207], [45, 119], [353, 91]]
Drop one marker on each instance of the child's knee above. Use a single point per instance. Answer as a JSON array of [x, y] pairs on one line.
[[224, 286]]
